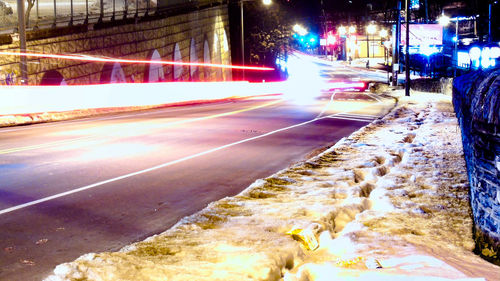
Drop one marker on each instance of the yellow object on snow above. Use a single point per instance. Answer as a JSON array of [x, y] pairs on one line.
[[306, 237]]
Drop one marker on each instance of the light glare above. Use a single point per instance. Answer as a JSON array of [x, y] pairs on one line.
[[371, 28], [342, 30], [300, 30], [444, 20]]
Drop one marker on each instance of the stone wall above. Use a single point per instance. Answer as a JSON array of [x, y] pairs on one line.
[[433, 85], [201, 36], [476, 98]]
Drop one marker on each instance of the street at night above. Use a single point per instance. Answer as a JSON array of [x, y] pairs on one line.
[[263, 140], [97, 184]]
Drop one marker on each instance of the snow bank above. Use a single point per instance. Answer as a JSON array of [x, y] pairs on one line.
[[390, 202]]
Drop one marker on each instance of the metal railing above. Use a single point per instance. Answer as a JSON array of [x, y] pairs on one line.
[[46, 14]]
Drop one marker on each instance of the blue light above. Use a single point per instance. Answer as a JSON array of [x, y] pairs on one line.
[[455, 39], [484, 57], [428, 50], [312, 40], [485, 62], [414, 4]]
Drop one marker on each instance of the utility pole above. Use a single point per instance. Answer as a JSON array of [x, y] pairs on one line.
[[407, 50], [367, 45], [396, 47], [426, 12], [242, 41], [23, 61], [455, 52], [489, 23]]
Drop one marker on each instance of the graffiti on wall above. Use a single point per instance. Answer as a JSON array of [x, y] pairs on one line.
[[8, 78]]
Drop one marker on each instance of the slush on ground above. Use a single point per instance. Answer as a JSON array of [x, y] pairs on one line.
[[389, 202]]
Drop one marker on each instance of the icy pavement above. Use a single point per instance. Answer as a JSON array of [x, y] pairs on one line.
[[390, 202]]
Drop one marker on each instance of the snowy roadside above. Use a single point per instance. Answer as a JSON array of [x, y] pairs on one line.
[[390, 202]]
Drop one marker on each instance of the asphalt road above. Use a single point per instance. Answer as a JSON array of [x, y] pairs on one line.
[[98, 184]]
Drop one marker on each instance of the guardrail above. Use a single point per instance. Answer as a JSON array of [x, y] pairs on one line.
[[46, 14]]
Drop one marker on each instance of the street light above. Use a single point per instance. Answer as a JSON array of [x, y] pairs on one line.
[[300, 30], [342, 30], [383, 33], [265, 2], [444, 21], [370, 29]]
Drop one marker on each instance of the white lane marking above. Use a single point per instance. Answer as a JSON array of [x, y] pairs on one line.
[[374, 97], [327, 105], [362, 115], [59, 195], [351, 119]]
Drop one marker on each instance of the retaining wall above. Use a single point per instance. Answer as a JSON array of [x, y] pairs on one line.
[[201, 36], [476, 98]]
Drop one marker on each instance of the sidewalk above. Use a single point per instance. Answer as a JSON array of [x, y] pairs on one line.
[[390, 202], [374, 63]]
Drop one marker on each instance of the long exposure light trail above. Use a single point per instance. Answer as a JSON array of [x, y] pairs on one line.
[[107, 60]]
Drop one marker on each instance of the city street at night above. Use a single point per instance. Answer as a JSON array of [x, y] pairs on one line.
[[250, 140], [388, 202], [100, 183]]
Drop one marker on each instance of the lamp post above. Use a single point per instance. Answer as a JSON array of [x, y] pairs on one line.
[[352, 40], [455, 52], [445, 21], [23, 62], [265, 2], [383, 34], [407, 50], [342, 30], [370, 29]]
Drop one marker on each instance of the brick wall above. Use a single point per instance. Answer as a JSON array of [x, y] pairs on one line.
[[131, 41], [476, 98]]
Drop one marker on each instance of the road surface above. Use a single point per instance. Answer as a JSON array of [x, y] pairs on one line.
[[98, 184]]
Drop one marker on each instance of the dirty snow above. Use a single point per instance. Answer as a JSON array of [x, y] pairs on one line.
[[390, 202]]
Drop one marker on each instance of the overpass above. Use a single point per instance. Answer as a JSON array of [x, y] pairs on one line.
[[173, 30]]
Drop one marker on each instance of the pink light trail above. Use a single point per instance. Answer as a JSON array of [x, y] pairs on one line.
[[103, 59]]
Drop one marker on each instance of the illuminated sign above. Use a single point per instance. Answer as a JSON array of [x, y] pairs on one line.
[[478, 58], [423, 34]]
